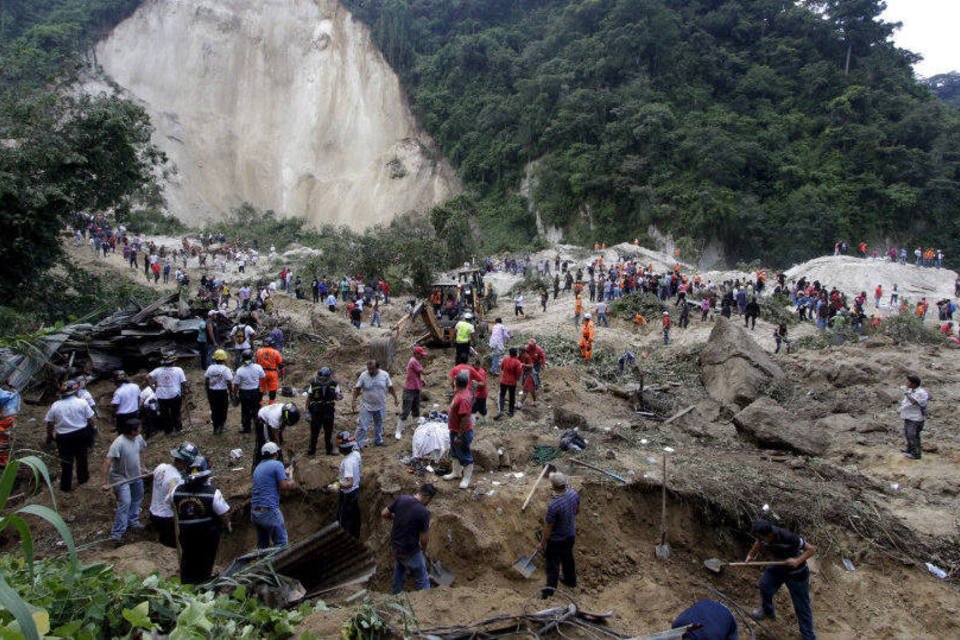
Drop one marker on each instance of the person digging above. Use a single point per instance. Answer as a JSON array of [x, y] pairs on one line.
[[794, 551], [202, 515], [560, 535], [347, 485]]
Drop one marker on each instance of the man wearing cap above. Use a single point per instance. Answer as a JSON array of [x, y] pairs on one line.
[[587, 335], [126, 399], [412, 387], [247, 380], [560, 534], [272, 363], [201, 514], [464, 335], [409, 537], [793, 551], [322, 396], [269, 479], [373, 384], [218, 379], [166, 478], [70, 424], [347, 485], [460, 424], [171, 386]]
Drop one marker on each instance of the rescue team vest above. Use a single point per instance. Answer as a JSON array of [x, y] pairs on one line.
[[463, 331], [323, 393], [194, 504]]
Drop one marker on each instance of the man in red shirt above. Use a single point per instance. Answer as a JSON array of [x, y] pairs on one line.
[[411, 389], [480, 392], [462, 365], [460, 423], [511, 369]]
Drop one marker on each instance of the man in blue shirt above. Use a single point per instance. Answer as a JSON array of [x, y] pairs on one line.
[[269, 479], [559, 534], [794, 551], [409, 537], [715, 620]]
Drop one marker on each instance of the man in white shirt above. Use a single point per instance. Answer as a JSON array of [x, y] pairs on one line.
[[247, 381], [499, 337], [240, 336], [171, 386], [373, 384], [70, 425], [271, 421], [126, 399], [166, 478], [219, 379], [348, 484], [913, 410]]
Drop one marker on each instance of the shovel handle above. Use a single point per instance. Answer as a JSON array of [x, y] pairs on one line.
[[775, 563], [534, 488]]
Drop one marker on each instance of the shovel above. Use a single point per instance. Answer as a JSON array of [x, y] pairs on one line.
[[716, 565], [524, 564], [439, 574], [662, 550]]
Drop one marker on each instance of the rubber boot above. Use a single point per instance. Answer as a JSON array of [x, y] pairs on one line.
[[399, 433], [456, 471], [467, 475]]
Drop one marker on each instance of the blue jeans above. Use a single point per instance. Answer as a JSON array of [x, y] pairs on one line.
[[129, 497], [416, 565], [375, 319], [363, 425], [799, 587], [602, 317], [271, 529], [666, 336], [495, 358], [462, 452]]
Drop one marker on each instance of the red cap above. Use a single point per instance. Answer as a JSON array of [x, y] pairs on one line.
[[419, 351]]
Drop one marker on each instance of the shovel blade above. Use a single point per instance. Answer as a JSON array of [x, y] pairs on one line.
[[663, 551], [440, 574], [524, 566], [714, 564]]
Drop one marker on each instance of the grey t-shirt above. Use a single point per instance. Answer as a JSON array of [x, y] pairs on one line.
[[124, 456], [374, 390]]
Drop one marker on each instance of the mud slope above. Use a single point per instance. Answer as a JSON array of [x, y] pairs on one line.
[[286, 104]]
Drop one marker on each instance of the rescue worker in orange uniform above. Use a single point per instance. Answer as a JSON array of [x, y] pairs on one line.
[[577, 310], [272, 363], [587, 334]]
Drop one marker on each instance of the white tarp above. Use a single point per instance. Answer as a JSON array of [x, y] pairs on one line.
[[431, 440]]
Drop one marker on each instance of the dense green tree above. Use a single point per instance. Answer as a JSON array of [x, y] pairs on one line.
[[772, 126]]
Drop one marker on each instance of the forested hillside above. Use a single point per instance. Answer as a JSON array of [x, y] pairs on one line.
[[59, 153], [772, 126], [946, 86]]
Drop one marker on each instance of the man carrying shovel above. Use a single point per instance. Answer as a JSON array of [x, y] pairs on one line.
[[122, 471], [793, 551]]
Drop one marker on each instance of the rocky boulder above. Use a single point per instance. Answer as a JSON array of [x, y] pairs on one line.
[[735, 368], [768, 425]]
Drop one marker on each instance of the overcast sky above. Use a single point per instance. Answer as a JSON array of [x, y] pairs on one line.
[[930, 28]]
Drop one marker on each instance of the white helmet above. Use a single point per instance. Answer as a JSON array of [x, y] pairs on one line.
[[586, 316]]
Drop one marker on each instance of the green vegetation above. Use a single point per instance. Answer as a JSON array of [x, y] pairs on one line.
[[114, 605], [946, 86], [773, 126], [60, 153]]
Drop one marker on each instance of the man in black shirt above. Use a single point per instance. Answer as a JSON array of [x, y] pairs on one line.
[[790, 548], [409, 537]]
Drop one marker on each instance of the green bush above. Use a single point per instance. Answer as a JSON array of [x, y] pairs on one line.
[[103, 603], [776, 309], [646, 303]]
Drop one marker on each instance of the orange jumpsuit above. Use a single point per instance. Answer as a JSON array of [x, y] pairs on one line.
[[272, 363], [586, 340]]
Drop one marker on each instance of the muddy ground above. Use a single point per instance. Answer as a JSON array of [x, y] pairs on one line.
[[857, 498]]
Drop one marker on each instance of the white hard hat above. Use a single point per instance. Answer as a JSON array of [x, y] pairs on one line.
[[586, 316], [666, 313]]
